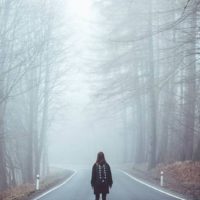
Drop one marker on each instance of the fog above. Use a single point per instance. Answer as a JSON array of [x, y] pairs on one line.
[[82, 76], [81, 129]]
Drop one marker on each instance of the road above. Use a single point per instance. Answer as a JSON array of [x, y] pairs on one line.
[[124, 188]]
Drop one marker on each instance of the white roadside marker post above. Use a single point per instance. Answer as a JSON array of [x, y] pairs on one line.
[[38, 182], [161, 179]]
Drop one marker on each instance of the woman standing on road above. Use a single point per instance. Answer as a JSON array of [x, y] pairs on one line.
[[101, 177]]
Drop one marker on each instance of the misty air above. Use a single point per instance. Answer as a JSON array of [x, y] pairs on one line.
[[99, 99]]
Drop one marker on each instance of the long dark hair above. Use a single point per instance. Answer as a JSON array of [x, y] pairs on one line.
[[100, 158]]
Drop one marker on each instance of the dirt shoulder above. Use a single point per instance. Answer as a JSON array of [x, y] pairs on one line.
[[180, 177], [28, 192]]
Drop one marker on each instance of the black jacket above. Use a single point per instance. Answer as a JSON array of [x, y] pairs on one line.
[[101, 178]]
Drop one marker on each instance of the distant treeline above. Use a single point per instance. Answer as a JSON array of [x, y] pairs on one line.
[[150, 72], [29, 51]]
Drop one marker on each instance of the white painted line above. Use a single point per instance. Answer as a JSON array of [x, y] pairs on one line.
[[155, 188], [56, 187]]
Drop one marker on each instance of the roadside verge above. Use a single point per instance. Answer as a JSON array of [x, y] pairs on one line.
[[55, 187], [179, 177], [154, 186], [56, 179]]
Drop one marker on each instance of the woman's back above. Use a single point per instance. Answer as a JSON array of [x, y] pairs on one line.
[[101, 177]]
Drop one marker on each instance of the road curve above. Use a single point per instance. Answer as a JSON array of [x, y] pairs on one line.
[[124, 188]]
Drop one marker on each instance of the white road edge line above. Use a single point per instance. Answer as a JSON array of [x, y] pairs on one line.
[[56, 187], [155, 188]]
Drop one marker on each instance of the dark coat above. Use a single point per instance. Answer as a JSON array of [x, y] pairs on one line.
[[104, 171]]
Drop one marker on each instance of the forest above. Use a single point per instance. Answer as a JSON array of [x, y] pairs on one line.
[[142, 62]]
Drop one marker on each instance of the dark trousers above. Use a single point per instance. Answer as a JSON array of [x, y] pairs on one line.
[[103, 196]]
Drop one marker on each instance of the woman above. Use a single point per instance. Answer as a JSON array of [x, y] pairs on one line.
[[101, 177]]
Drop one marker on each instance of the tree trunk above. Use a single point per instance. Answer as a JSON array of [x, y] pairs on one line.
[[3, 170], [140, 144], [152, 96], [190, 92]]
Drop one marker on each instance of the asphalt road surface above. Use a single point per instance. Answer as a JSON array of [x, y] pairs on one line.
[[124, 188]]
